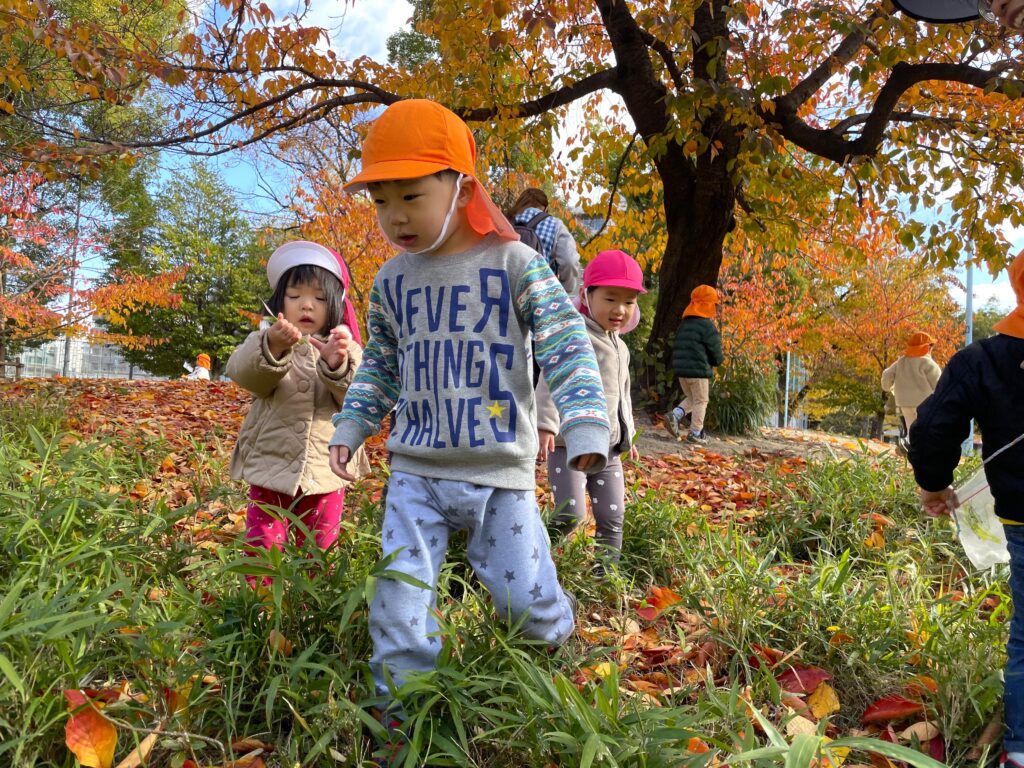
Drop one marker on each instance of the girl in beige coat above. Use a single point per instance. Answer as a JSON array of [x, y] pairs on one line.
[[298, 371]]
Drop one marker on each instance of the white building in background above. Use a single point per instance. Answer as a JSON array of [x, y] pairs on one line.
[[85, 361]]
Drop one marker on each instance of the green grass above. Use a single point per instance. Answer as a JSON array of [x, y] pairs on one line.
[[97, 588]]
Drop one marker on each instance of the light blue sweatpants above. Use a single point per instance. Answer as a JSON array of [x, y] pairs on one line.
[[507, 547]]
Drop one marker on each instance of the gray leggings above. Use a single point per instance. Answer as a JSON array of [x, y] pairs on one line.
[[607, 492]]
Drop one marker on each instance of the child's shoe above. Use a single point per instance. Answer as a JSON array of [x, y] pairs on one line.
[[388, 752], [697, 437], [1012, 760], [672, 423]]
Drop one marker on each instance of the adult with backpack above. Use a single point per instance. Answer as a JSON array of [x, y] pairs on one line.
[[548, 236]]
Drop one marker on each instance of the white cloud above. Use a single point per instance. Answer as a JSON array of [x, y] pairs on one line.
[[985, 288], [356, 27]]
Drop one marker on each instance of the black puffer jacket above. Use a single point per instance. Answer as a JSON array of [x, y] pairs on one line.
[[985, 382], [697, 348]]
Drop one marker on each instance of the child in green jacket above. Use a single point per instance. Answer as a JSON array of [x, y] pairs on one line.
[[696, 351]]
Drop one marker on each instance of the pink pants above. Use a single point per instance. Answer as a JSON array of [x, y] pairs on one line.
[[266, 527]]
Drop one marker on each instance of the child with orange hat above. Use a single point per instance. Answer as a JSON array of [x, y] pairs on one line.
[[985, 382], [612, 281], [913, 376], [298, 370], [696, 351], [450, 319], [201, 372]]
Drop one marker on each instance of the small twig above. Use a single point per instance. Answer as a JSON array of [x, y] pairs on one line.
[[614, 189], [172, 734]]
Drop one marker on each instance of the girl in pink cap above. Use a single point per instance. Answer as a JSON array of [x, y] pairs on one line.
[[608, 302], [298, 371]]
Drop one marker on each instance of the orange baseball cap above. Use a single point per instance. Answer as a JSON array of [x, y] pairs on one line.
[[203, 359], [419, 137], [1013, 323], [703, 299], [918, 344]]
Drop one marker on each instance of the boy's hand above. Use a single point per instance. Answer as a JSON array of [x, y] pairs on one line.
[[1009, 12], [547, 444], [634, 453], [334, 351], [340, 455], [938, 503], [587, 460], [282, 336]]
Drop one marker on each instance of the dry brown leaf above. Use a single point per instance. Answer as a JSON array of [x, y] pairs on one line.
[[922, 730], [798, 726]]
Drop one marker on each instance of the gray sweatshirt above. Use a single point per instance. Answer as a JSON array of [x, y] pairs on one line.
[[449, 350]]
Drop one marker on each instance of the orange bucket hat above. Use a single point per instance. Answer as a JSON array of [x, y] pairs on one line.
[[702, 302], [203, 360], [1013, 323], [918, 344], [419, 137]]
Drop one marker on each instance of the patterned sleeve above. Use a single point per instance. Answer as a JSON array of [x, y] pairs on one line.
[[376, 384], [567, 360]]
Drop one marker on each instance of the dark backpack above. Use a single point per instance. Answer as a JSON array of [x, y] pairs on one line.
[[528, 232]]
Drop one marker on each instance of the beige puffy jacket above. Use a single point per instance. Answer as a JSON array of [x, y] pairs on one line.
[[911, 380], [613, 360], [282, 444]]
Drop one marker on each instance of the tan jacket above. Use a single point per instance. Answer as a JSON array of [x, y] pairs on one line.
[[911, 380], [613, 360], [282, 444]]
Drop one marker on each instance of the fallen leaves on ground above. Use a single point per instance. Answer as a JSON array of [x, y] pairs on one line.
[[667, 660]]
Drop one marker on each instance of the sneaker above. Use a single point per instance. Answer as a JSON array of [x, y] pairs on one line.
[[387, 753], [697, 438], [672, 423]]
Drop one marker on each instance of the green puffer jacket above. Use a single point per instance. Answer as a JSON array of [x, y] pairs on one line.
[[697, 348]]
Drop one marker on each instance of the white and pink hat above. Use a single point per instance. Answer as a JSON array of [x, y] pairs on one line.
[[298, 252]]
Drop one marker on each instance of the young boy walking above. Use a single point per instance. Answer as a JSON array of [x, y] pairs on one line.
[[450, 321], [696, 351], [985, 382]]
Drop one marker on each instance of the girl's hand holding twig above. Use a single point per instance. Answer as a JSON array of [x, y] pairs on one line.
[[334, 351], [547, 444], [282, 336]]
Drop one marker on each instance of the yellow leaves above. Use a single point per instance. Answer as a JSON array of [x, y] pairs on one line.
[[278, 643], [823, 701], [88, 734], [876, 540]]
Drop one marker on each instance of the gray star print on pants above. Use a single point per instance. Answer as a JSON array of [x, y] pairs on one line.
[[507, 547]]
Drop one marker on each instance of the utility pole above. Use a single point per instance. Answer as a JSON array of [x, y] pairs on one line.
[[968, 447], [71, 292]]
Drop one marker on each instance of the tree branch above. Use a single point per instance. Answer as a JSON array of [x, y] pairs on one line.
[[666, 56], [614, 189], [839, 58], [829, 144], [606, 78]]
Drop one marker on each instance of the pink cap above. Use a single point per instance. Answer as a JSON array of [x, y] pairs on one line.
[[614, 268]]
